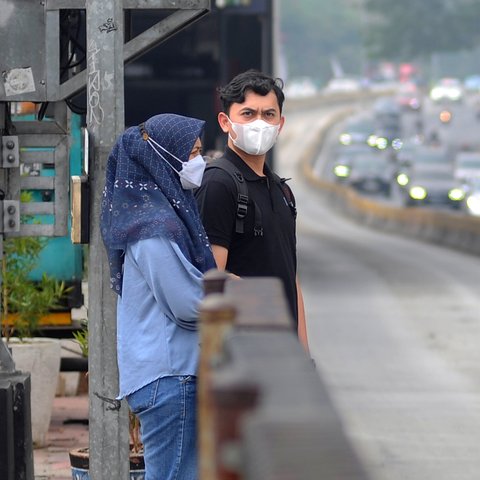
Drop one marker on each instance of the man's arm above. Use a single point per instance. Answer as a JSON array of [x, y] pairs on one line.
[[220, 254], [302, 326]]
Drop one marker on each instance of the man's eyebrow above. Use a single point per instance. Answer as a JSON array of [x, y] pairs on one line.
[[251, 109]]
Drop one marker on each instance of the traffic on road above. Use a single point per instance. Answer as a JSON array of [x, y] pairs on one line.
[[413, 148]]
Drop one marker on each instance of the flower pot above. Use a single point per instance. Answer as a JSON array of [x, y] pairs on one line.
[[80, 460], [41, 358]]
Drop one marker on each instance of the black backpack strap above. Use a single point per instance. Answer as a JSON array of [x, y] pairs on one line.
[[258, 227], [288, 195], [242, 193]]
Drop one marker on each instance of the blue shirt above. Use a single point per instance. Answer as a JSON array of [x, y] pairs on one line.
[[157, 314]]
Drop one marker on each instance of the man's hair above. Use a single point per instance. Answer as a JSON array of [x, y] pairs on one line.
[[251, 80]]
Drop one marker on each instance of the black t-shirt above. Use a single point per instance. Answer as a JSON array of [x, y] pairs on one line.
[[249, 255]]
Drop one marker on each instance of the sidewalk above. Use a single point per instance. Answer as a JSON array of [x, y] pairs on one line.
[[67, 431]]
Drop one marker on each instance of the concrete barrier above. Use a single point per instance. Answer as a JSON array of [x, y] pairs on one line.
[[264, 411]]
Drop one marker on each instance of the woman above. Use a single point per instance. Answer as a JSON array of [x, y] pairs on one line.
[[158, 252]]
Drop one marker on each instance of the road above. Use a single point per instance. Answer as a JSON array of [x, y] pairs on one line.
[[394, 328]]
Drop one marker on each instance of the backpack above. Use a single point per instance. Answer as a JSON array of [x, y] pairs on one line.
[[242, 195]]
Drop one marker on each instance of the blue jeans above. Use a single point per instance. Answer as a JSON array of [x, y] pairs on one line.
[[167, 412]]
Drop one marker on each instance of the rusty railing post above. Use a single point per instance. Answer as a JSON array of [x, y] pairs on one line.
[[234, 395], [217, 315], [214, 281]]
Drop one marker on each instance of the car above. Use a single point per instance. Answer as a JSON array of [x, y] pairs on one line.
[[472, 197], [344, 85], [447, 89], [403, 159], [388, 123], [344, 158], [432, 155], [433, 185], [358, 130], [371, 172], [426, 156], [409, 97], [467, 165]]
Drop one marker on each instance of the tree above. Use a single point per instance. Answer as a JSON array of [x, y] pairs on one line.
[[316, 31], [415, 29]]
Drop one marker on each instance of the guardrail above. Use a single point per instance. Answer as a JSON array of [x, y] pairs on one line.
[[264, 412]]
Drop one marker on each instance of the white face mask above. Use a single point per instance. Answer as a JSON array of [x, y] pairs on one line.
[[255, 138], [191, 173]]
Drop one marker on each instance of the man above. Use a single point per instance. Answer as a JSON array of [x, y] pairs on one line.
[[263, 243]]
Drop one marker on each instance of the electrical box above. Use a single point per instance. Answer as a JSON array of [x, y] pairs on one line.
[[23, 63]]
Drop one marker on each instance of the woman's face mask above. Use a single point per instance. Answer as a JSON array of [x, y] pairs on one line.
[[191, 172], [255, 138]]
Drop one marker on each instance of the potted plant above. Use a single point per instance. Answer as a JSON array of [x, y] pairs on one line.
[[23, 304], [79, 457]]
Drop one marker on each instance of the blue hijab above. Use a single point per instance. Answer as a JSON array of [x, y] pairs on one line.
[[143, 197]]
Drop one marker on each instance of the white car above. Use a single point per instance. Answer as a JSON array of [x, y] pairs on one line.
[[447, 89], [343, 85]]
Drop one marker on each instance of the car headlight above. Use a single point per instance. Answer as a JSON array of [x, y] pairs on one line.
[[382, 143], [341, 171], [397, 144], [436, 93], [418, 193], [473, 204], [454, 94], [402, 179], [372, 140], [456, 194], [345, 139]]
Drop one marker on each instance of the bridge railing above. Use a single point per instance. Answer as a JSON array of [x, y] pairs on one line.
[[264, 411]]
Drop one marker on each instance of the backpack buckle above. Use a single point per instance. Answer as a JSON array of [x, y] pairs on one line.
[[242, 205]]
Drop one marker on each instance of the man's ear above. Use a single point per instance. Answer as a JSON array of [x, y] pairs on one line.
[[223, 122], [282, 121]]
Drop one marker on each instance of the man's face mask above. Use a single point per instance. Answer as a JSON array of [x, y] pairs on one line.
[[255, 138], [191, 172]]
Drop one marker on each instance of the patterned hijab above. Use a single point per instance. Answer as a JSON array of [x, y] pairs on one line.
[[143, 197]]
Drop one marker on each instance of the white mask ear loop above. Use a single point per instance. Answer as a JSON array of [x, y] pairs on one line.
[[151, 141], [161, 156]]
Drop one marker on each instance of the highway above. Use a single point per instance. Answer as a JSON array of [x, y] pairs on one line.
[[394, 329]]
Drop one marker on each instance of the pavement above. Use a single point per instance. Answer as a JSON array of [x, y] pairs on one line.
[[68, 430]]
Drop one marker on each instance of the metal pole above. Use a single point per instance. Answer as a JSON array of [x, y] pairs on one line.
[[108, 427]]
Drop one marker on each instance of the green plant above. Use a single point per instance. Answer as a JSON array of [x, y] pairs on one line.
[[81, 337], [25, 301]]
